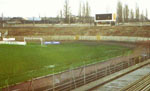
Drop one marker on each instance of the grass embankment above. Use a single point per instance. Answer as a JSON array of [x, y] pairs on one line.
[[21, 63]]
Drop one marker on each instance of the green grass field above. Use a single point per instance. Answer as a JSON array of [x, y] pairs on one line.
[[21, 63]]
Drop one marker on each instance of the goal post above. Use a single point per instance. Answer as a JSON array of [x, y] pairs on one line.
[[33, 38]]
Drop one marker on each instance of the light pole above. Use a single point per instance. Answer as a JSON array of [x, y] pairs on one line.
[[53, 66], [84, 73], [72, 76]]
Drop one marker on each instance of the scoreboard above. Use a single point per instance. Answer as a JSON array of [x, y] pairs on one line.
[[105, 17]]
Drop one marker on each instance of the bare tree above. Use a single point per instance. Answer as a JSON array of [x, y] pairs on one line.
[[33, 21], [80, 12], [87, 10], [131, 15], [61, 16], [83, 12], [66, 11], [119, 11], [126, 13], [142, 17], [146, 15], [87, 15], [137, 13]]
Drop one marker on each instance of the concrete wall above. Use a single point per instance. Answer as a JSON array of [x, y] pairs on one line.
[[98, 37], [94, 38]]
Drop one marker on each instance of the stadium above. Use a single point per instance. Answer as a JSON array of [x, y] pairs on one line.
[[39, 55], [105, 52]]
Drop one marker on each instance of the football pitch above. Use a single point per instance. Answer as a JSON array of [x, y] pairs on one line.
[[21, 63]]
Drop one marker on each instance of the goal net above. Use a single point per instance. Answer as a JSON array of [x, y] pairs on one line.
[[33, 40]]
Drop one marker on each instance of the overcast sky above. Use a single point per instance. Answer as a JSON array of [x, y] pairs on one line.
[[51, 8]]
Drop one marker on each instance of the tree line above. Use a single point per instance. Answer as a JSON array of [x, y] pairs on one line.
[[84, 13], [124, 14]]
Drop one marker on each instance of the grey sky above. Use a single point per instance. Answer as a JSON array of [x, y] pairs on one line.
[[51, 8]]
